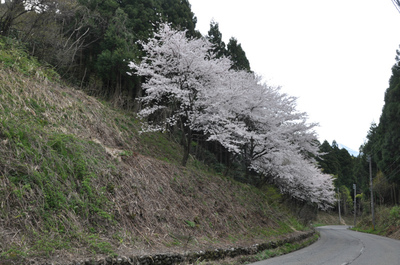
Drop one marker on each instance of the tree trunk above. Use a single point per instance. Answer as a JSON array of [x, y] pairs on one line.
[[399, 196], [187, 142], [138, 95], [186, 148], [228, 163], [344, 206], [116, 98]]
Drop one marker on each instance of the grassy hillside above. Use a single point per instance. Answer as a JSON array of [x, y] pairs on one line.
[[387, 222], [77, 179]]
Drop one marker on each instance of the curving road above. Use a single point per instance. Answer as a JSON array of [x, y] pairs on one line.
[[340, 246]]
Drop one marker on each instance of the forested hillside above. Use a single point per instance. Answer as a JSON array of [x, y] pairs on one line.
[[122, 128]]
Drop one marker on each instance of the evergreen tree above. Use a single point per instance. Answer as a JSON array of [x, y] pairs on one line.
[[389, 125], [116, 49], [143, 15], [338, 162], [345, 176], [215, 37], [179, 13], [328, 161], [361, 173], [237, 55], [373, 147], [118, 27]]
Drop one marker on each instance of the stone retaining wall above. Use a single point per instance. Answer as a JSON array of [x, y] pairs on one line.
[[191, 257]]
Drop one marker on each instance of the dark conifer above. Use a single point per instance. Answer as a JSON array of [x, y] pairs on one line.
[[237, 55], [215, 37]]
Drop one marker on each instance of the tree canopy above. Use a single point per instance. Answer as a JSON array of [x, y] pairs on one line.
[[233, 50], [337, 162], [215, 37], [237, 55]]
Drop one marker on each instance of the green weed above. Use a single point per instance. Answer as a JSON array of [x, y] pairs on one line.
[[14, 56], [190, 223], [99, 246]]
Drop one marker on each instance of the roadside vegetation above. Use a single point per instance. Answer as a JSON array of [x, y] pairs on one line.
[[387, 222]]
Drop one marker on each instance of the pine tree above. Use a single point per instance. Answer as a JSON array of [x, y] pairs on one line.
[[117, 48], [236, 53], [328, 161], [389, 125], [337, 162], [345, 176], [215, 37], [179, 13]]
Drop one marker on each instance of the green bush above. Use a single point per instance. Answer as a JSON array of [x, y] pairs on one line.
[[394, 215]]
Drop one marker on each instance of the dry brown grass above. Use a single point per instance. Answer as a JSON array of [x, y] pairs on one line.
[[332, 218]]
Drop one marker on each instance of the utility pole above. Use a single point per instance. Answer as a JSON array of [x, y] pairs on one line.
[[340, 218], [355, 203], [372, 193]]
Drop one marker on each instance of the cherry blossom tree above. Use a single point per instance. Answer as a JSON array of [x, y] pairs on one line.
[[179, 71], [187, 86], [262, 125], [249, 117]]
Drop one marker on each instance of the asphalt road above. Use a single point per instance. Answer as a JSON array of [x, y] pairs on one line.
[[340, 246]]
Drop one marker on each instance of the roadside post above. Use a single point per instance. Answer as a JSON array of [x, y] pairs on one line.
[[340, 218], [355, 203]]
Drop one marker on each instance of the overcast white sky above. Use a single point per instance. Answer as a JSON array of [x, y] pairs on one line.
[[335, 56]]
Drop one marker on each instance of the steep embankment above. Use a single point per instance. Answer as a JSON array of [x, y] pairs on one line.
[[77, 180]]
